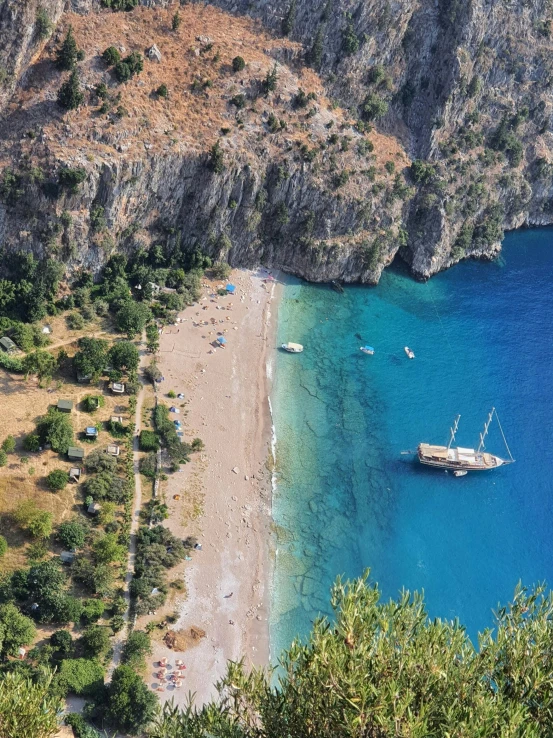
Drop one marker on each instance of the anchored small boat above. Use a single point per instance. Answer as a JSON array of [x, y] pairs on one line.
[[460, 473], [409, 352], [292, 348], [337, 286], [367, 350], [462, 460]]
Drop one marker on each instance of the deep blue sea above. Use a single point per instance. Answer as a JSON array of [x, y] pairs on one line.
[[347, 499]]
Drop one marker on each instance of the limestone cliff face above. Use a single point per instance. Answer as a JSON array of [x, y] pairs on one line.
[[450, 71], [463, 86]]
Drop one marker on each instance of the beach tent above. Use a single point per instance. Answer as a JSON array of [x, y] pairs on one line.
[[231, 289], [222, 340]]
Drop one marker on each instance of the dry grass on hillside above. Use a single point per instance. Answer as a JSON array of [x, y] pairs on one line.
[[200, 52]]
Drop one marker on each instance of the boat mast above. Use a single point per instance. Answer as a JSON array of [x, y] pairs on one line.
[[485, 433], [453, 431]]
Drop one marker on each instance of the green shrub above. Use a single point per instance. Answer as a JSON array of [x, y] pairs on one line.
[[71, 177], [221, 270], [374, 107], [216, 159], [81, 676], [81, 729], [117, 623], [148, 465], [350, 41], [111, 56], [62, 641], [3, 457], [57, 480], [148, 441], [176, 21], [129, 66], [3, 546], [43, 24], [238, 64], [71, 534], [93, 610], [94, 641], [31, 442], [162, 90], [91, 403]]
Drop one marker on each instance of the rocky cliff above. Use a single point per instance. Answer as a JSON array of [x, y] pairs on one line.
[[321, 186]]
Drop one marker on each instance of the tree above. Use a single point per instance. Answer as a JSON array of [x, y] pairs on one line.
[[220, 270], [176, 21], [350, 41], [68, 53], [61, 641], [70, 95], [90, 359], [99, 461], [9, 445], [81, 729], [374, 107], [95, 640], [111, 56], [137, 646], [31, 442], [124, 356], [130, 704], [132, 317], [3, 457], [55, 428], [71, 534], [238, 64], [3, 546], [385, 669], [28, 709], [57, 480], [315, 54], [71, 177], [162, 90], [16, 630], [40, 363], [106, 549], [43, 24], [289, 19]]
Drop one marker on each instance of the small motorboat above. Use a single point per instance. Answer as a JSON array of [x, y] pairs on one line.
[[409, 352], [292, 348], [367, 350], [336, 286], [459, 473]]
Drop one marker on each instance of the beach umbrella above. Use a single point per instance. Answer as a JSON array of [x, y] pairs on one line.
[[231, 289], [222, 340]]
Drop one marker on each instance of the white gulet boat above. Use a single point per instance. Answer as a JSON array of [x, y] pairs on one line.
[[463, 459]]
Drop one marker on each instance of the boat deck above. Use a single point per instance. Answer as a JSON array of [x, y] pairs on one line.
[[456, 458]]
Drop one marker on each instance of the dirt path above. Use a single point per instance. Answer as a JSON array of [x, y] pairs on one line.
[[120, 637]]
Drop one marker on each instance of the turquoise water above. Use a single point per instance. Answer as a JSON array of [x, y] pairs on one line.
[[346, 497]]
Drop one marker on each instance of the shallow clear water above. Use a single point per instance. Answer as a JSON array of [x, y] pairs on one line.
[[346, 497]]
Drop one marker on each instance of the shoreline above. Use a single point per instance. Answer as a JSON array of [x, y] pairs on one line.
[[225, 493]]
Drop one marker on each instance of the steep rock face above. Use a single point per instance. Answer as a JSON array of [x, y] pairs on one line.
[[290, 181], [449, 71]]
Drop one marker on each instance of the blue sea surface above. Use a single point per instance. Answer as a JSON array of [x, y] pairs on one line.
[[347, 499]]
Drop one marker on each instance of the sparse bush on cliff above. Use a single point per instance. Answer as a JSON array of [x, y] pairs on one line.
[[162, 90], [176, 21], [350, 41], [71, 177], [422, 171], [125, 69], [289, 19], [270, 81], [216, 159], [238, 64], [374, 107], [111, 56], [43, 24], [120, 4]]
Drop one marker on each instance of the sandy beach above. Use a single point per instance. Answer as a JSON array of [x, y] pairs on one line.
[[224, 493]]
